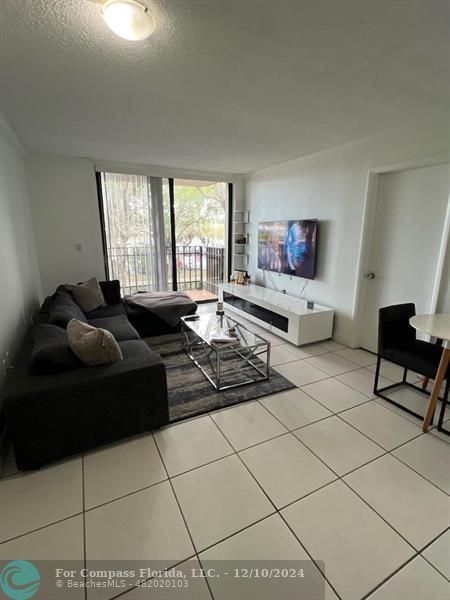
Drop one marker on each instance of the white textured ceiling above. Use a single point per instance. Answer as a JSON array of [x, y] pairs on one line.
[[223, 85]]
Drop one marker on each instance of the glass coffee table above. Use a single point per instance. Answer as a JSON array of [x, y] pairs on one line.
[[225, 364]]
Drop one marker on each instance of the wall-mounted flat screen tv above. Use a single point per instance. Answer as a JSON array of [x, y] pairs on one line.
[[288, 247]]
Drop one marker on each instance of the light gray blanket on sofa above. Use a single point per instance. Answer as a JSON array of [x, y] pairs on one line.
[[168, 306]]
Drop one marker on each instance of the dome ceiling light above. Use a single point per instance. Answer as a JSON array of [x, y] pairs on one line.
[[128, 19]]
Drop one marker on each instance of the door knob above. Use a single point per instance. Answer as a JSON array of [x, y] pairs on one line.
[[370, 275]]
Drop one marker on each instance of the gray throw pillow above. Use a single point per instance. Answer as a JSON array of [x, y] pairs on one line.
[[87, 295], [93, 346]]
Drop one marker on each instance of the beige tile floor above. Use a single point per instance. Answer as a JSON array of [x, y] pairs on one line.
[[322, 472]]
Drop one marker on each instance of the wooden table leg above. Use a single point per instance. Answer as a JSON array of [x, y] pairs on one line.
[[442, 370], [438, 342]]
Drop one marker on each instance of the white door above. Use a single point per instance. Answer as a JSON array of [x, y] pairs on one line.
[[409, 223]]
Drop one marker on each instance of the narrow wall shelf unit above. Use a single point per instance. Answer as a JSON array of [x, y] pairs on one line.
[[241, 239]]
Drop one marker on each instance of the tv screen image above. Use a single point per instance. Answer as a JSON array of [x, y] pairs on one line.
[[288, 247]]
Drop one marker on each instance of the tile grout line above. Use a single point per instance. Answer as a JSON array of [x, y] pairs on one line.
[[389, 577], [430, 544], [206, 578], [308, 448], [83, 488], [381, 402], [179, 507], [21, 535], [125, 592], [341, 478], [418, 555], [169, 479], [420, 434], [367, 399], [289, 430], [238, 531], [412, 468], [279, 513]]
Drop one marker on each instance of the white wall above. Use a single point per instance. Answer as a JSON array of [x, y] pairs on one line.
[[331, 186], [65, 213], [20, 290], [443, 302]]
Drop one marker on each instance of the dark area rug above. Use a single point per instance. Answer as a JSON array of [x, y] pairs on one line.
[[190, 393]]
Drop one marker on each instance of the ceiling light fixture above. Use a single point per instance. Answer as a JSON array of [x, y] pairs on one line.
[[128, 19]]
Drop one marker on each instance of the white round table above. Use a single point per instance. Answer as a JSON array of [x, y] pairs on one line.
[[437, 326]]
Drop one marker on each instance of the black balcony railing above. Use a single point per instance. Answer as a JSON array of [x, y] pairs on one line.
[[198, 268]]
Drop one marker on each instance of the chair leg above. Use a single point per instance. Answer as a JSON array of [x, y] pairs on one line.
[[444, 405], [377, 375], [381, 392], [425, 383]]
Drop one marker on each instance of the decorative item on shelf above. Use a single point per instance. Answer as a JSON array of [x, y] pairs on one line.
[[220, 313], [240, 240], [240, 277], [309, 304]]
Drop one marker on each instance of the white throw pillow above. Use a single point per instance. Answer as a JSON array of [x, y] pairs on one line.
[[92, 345]]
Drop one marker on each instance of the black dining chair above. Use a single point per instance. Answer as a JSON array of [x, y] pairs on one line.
[[397, 343]]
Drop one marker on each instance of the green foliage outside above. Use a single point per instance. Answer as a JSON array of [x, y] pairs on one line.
[[199, 214]]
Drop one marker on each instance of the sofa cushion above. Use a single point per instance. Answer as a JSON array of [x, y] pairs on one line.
[[119, 326], [93, 346], [133, 348], [111, 291], [51, 352], [88, 295], [108, 310], [63, 308]]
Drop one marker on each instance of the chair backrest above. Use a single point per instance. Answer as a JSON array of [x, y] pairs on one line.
[[394, 329]]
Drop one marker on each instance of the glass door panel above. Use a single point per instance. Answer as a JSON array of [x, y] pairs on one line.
[[134, 231], [200, 209]]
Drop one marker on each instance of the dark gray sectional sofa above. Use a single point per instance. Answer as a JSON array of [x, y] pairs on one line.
[[55, 406]]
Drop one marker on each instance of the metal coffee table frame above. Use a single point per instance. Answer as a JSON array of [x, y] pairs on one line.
[[213, 353]]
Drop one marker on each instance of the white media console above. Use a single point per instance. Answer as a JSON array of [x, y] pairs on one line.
[[284, 315]]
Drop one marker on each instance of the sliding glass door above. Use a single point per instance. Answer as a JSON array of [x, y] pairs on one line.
[[200, 209], [164, 234], [133, 230]]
